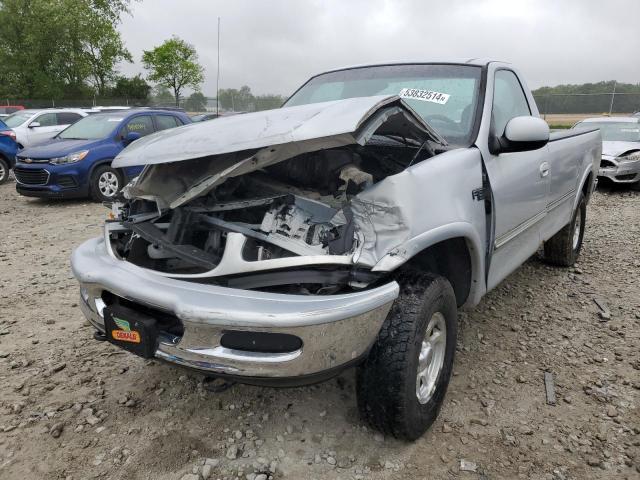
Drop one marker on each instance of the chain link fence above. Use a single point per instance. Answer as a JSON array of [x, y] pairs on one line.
[[573, 105], [588, 103], [88, 103]]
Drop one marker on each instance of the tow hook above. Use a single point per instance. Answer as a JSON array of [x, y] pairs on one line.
[[99, 336], [216, 384]]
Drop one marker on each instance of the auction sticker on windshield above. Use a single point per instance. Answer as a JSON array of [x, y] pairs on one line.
[[424, 95]]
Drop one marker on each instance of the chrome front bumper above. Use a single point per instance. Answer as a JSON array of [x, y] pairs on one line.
[[335, 329], [620, 171]]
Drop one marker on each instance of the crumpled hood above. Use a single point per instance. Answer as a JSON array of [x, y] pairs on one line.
[[615, 149], [57, 148], [236, 145]]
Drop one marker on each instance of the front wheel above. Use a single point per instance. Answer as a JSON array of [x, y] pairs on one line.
[[402, 383], [564, 247], [4, 171], [105, 183]]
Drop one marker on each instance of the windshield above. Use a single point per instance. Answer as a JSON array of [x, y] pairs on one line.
[[17, 119], [445, 96], [615, 131], [93, 127]]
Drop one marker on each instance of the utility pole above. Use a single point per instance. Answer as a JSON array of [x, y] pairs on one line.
[[218, 74], [613, 95]]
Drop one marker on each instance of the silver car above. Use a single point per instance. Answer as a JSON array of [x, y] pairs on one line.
[[620, 148]]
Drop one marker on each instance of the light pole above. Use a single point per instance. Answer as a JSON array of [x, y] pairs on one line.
[[218, 74]]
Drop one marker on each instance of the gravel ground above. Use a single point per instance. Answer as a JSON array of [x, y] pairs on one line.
[[74, 408]]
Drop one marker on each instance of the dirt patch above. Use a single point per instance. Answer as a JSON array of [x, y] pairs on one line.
[[74, 408]]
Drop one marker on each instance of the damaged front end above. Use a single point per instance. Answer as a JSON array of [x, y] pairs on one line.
[[282, 201]]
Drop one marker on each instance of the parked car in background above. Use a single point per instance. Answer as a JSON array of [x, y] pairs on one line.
[[77, 162], [203, 117], [8, 149], [6, 110], [111, 108], [36, 126], [345, 228], [620, 148]]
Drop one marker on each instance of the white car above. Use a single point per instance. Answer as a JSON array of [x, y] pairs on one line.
[[36, 126]]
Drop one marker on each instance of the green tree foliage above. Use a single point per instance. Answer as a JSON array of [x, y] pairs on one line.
[[174, 65], [134, 88], [57, 48], [104, 50], [588, 98], [243, 100], [196, 102], [162, 96]]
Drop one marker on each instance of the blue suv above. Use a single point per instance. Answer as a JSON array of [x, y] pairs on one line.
[[8, 149], [77, 161]]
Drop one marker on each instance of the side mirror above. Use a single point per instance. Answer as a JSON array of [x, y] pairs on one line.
[[130, 137], [523, 134], [34, 124]]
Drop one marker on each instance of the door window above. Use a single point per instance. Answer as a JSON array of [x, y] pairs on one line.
[[142, 125], [509, 100], [166, 121], [47, 120], [67, 118]]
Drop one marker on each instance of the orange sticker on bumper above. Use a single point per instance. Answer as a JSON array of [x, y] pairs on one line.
[[124, 336]]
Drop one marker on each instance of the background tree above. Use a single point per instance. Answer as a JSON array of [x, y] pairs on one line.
[[243, 100], [134, 88], [58, 48], [104, 50], [196, 102], [162, 95], [174, 64]]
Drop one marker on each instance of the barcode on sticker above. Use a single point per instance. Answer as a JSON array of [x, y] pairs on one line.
[[424, 95]]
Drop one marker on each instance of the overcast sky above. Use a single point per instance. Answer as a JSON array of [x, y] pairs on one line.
[[274, 46]]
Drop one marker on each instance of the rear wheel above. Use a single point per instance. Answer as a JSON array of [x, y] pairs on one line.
[[4, 171], [564, 247], [105, 183], [402, 383]]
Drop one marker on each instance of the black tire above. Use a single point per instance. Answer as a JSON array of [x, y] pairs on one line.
[[387, 380], [4, 171], [561, 249], [100, 192], [635, 186]]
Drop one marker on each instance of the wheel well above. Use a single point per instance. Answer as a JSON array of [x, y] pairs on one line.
[[450, 259], [586, 191], [99, 164]]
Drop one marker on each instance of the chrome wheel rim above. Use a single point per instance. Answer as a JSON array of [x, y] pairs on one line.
[[431, 357], [576, 230], [108, 184], [3, 172]]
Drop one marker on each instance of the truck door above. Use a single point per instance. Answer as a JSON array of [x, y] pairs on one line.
[[519, 185]]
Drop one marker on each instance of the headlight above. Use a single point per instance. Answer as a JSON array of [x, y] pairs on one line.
[[632, 157], [71, 158]]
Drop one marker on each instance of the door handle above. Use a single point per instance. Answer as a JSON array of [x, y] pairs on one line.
[[544, 169]]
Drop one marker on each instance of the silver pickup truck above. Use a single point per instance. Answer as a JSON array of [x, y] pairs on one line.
[[344, 229]]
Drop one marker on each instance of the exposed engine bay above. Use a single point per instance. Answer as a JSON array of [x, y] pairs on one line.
[[294, 215], [297, 217]]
